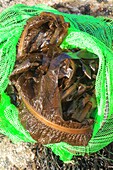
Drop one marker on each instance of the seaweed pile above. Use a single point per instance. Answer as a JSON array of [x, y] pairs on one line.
[[99, 9], [57, 93], [102, 160], [75, 86]]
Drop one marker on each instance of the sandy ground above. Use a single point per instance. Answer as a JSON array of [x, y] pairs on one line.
[[15, 155], [95, 4], [20, 156]]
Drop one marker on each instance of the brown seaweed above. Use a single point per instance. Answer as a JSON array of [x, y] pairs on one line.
[[57, 92]]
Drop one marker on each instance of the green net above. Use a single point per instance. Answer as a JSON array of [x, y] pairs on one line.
[[85, 32]]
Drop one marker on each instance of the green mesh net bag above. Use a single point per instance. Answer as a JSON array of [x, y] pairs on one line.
[[85, 32]]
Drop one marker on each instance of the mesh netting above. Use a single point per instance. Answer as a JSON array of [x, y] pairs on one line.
[[9, 123], [85, 32]]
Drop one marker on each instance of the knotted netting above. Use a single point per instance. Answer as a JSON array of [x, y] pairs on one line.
[[85, 32]]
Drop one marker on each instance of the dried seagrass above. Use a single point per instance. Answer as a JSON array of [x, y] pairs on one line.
[[57, 92]]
